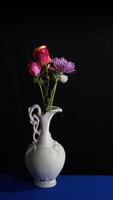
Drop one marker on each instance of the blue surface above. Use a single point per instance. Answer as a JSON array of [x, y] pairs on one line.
[[68, 187]]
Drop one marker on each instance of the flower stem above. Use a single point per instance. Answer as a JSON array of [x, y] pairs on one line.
[[47, 82], [52, 95], [40, 86]]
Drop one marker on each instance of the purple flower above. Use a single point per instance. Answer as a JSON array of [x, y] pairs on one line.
[[61, 65]]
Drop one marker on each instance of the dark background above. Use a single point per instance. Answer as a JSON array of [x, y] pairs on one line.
[[85, 128]]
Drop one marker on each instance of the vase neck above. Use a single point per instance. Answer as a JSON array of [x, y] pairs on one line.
[[36, 118], [45, 124]]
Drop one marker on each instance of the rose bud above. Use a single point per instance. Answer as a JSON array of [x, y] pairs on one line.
[[41, 54], [34, 68]]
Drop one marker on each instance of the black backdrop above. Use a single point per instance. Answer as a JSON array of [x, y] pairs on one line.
[[85, 128]]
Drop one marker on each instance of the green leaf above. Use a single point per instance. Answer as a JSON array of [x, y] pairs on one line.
[[55, 77], [36, 79], [41, 80]]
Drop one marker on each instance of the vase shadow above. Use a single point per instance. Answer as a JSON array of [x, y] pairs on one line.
[[15, 183]]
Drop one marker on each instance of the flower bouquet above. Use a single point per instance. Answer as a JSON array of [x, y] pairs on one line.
[[48, 72]]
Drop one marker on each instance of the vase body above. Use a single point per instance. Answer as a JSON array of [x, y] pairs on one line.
[[44, 157]]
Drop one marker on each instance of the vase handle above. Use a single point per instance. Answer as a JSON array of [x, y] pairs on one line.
[[35, 120]]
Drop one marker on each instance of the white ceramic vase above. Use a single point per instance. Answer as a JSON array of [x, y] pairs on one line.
[[44, 157]]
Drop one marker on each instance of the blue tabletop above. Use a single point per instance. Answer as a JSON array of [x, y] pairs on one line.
[[68, 187]]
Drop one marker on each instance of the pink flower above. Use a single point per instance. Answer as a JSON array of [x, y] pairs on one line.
[[34, 68], [41, 54]]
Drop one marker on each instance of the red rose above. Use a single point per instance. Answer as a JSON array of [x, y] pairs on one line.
[[41, 54], [34, 68]]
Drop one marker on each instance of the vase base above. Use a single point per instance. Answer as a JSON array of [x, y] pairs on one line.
[[45, 184]]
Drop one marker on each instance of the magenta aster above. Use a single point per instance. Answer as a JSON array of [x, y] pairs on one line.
[[61, 65]]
